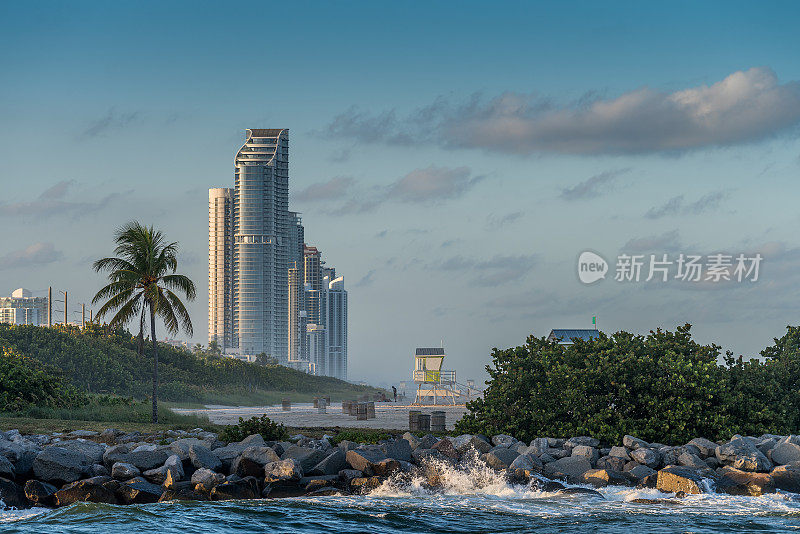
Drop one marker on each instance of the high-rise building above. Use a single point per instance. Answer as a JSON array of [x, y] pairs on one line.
[[261, 244], [220, 268], [23, 308], [336, 326], [297, 294]]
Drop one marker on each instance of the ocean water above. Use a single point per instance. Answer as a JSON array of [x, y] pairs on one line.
[[470, 499]]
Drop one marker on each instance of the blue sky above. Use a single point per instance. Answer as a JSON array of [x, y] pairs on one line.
[[450, 159]]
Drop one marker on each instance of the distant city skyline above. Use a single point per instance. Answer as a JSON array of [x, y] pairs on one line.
[[453, 175]]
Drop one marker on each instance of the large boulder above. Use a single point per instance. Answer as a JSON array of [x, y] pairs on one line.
[[786, 451], [603, 477], [786, 478], [205, 479], [613, 463], [305, 456], [674, 478], [691, 460], [585, 451], [332, 464], [524, 467], [40, 493], [738, 482], [364, 484], [182, 446], [252, 461], [412, 440], [571, 443], [365, 460], [620, 452], [89, 490], [138, 491], [399, 450], [468, 442], [229, 490], [283, 471], [501, 457], [142, 459], [445, 447], [646, 456], [93, 451], [55, 464], [230, 452], [706, 447], [202, 457], [123, 471], [634, 443], [174, 471], [570, 468], [7, 468], [742, 454], [641, 472], [503, 440], [12, 495]]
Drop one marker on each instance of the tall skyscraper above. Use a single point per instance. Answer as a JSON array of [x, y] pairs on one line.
[[336, 326], [261, 244], [268, 291], [220, 268]]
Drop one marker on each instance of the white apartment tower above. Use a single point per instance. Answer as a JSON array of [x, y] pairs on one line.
[[220, 268]]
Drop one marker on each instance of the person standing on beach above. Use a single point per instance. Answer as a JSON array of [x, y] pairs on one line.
[[394, 390]]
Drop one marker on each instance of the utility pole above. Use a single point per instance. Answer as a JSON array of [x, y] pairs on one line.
[[50, 306], [83, 315], [65, 308]]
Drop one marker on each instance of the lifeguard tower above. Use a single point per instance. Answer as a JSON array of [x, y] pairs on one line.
[[433, 384]]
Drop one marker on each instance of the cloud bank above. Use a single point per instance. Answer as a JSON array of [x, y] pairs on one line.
[[32, 256], [746, 106]]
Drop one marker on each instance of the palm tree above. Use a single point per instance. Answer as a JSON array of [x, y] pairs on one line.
[[141, 281]]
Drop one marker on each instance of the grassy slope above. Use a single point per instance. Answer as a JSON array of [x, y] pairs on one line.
[[102, 362]]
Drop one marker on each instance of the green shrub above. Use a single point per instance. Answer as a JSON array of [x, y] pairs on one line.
[[269, 430], [664, 387], [26, 382], [360, 436]]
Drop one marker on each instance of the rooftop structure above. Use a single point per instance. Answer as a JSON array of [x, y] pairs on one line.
[[564, 336]]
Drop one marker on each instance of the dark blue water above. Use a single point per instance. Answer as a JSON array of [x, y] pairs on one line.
[[472, 500]]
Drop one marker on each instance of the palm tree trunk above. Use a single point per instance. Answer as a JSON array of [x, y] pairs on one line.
[[155, 363]]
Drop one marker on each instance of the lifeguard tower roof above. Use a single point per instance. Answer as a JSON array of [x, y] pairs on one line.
[[429, 351], [564, 336]]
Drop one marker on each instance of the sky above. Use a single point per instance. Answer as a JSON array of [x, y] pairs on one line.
[[452, 160]]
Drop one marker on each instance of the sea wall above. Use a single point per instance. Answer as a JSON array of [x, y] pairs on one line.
[[115, 467]]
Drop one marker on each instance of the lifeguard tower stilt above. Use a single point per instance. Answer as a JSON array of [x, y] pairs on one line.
[[433, 384]]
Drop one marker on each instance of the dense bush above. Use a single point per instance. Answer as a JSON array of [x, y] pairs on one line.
[[100, 360], [25, 382], [662, 387], [269, 430]]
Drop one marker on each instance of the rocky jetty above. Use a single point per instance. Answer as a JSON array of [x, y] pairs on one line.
[[118, 468]]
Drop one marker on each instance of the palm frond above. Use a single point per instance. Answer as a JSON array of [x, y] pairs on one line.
[[126, 312], [180, 282], [180, 310]]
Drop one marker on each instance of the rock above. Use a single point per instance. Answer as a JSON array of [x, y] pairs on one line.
[[332, 464], [500, 457], [346, 475], [98, 470], [12, 495], [587, 441], [138, 491], [691, 460], [84, 433], [445, 447], [174, 470], [364, 484], [40, 493], [123, 471], [580, 491], [202, 457], [634, 443], [55, 464], [7, 468], [467, 442], [206, 479], [413, 441], [785, 452], [365, 460], [585, 451], [252, 461], [786, 478], [620, 452], [282, 471], [306, 457], [321, 481], [233, 490], [399, 450], [145, 460], [646, 456], [110, 435], [737, 482], [182, 446], [571, 469], [640, 472], [89, 490], [707, 447], [766, 445], [742, 454], [93, 451], [527, 462], [231, 451], [673, 479], [503, 440], [545, 485], [182, 494], [422, 455], [603, 477], [428, 441], [538, 446], [386, 467], [613, 463]]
